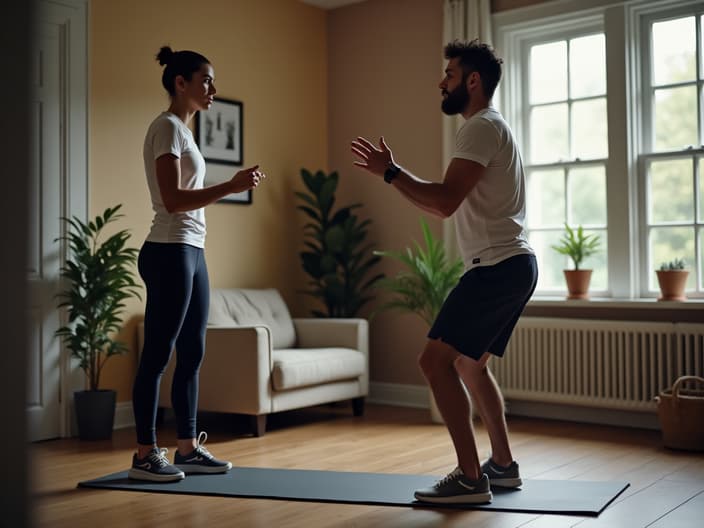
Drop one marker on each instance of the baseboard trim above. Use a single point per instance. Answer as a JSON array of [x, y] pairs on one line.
[[575, 413], [399, 395], [417, 396]]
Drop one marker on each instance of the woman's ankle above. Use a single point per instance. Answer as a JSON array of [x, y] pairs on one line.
[[143, 450]]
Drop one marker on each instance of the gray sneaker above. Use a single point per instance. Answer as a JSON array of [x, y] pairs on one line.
[[502, 477], [154, 467], [200, 460], [455, 488]]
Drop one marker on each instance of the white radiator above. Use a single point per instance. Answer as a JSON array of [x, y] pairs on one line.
[[618, 365]]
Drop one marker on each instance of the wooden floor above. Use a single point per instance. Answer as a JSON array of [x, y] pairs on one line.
[[666, 491]]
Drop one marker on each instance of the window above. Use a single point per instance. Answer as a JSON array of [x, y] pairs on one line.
[[565, 148], [672, 160], [607, 103]]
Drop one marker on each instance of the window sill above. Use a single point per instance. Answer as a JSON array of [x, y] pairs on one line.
[[689, 311], [615, 303]]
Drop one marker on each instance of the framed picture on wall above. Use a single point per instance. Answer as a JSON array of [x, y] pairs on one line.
[[219, 137], [219, 132]]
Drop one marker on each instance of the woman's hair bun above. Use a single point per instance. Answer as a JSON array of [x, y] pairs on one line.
[[164, 56]]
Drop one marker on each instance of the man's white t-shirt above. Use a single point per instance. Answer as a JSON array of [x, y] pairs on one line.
[[490, 219], [169, 135]]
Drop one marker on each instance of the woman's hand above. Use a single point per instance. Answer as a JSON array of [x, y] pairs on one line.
[[375, 160], [247, 179]]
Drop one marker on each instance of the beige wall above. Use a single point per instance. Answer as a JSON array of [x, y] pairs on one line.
[[272, 56], [385, 62], [310, 81]]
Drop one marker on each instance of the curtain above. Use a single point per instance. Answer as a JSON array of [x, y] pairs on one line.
[[464, 20]]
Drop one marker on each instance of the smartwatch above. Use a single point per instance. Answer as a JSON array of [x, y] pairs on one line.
[[391, 172]]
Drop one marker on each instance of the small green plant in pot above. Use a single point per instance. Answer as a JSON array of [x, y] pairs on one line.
[[338, 260], [672, 279], [577, 246], [98, 278]]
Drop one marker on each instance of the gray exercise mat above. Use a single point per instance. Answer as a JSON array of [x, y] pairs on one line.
[[573, 497]]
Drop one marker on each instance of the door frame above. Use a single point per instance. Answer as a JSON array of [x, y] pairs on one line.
[[72, 18]]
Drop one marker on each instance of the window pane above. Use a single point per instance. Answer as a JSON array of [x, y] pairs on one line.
[[701, 259], [674, 51], [701, 189], [548, 133], [670, 192], [669, 243], [545, 205], [548, 72], [597, 262], [589, 134], [675, 117], [587, 66], [587, 195], [550, 262]]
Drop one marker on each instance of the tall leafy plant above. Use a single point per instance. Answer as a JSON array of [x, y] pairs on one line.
[[427, 280], [337, 259], [99, 278]]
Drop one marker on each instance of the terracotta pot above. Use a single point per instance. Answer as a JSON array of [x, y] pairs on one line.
[[672, 283], [578, 283]]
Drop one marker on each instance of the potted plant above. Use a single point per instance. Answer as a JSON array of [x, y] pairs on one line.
[[672, 278], [98, 279], [337, 259], [423, 286], [577, 246]]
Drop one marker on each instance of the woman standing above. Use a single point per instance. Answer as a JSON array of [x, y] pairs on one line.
[[172, 265]]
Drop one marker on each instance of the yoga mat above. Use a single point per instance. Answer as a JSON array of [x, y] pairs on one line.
[[571, 497]]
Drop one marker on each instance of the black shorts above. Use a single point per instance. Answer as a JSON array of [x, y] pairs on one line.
[[480, 313]]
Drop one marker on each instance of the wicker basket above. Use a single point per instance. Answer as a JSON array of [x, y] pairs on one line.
[[681, 415]]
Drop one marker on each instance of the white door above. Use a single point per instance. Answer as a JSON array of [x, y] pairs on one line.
[[58, 187], [43, 389]]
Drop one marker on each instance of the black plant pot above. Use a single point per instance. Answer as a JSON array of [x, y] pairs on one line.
[[95, 413]]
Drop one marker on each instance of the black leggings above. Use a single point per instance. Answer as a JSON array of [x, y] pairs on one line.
[[178, 296]]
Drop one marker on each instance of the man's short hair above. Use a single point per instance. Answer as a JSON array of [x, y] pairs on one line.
[[477, 57]]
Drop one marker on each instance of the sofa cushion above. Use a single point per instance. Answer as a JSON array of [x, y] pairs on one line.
[[242, 307], [300, 367]]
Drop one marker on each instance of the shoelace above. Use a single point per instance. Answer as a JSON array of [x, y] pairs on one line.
[[200, 447], [454, 475], [159, 458]]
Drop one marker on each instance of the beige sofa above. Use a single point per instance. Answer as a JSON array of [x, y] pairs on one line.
[[259, 360]]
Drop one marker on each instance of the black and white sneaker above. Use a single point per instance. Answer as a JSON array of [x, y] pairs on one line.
[[502, 477], [455, 488], [154, 467], [200, 460]]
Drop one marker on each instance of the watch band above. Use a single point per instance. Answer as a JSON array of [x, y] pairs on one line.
[[391, 172]]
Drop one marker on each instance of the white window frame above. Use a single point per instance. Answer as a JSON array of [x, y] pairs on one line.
[[622, 24], [515, 40], [642, 18]]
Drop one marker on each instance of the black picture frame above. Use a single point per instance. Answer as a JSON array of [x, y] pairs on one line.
[[219, 132], [219, 135]]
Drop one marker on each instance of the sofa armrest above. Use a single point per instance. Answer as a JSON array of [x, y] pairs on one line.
[[345, 333], [319, 332], [236, 372]]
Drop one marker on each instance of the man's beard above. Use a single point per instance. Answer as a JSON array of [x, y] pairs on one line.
[[456, 100]]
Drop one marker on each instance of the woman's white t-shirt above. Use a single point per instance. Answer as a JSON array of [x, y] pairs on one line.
[[169, 135], [490, 219]]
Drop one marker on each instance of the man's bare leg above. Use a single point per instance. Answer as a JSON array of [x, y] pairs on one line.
[[437, 362], [489, 401]]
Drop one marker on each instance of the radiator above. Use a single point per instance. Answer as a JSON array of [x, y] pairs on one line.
[[618, 365]]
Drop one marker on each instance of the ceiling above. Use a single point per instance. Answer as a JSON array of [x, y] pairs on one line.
[[330, 4]]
